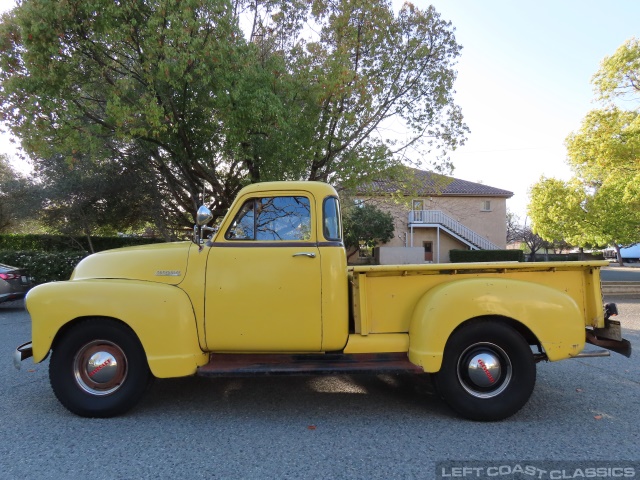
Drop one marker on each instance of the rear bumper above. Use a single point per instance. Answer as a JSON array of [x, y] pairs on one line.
[[21, 353], [622, 346], [610, 337]]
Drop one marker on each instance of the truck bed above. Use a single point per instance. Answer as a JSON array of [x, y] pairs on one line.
[[384, 296]]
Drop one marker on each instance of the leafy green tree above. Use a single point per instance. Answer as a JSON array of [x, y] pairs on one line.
[[606, 215], [601, 204], [88, 197], [619, 74], [7, 175], [203, 107], [556, 210], [17, 202], [366, 226], [607, 145]]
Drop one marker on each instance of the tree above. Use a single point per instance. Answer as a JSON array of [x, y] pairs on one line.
[[608, 214], [18, 197], [607, 145], [89, 197], [533, 241], [7, 176], [208, 107], [556, 210], [513, 228], [601, 204], [619, 74], [366, 225], [517, 232]]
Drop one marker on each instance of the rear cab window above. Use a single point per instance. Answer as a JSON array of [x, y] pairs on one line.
[[331, 224]]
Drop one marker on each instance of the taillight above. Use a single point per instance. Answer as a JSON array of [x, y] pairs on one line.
[[9, 276]]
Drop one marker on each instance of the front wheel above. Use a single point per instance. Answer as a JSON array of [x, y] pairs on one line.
[[99, 369], [488, 371]]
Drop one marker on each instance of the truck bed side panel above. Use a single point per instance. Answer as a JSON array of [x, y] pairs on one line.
[[552, 316], [384, 297]]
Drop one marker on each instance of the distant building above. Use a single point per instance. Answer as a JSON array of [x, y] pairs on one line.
[[437, 214]]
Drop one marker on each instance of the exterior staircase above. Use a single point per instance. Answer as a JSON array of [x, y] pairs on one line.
[[439, 219]]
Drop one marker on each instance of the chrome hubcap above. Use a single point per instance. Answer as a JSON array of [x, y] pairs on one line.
[[484, 370], [100, 367]]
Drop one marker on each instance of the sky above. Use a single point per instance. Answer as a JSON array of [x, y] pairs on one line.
[[523, 82]]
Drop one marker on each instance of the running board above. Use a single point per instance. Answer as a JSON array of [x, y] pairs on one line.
[[251, 365]]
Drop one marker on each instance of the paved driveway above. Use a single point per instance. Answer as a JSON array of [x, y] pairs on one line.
[[365, 427]]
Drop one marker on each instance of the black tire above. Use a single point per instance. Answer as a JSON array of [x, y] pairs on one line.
[[488, 371], [99, 369]]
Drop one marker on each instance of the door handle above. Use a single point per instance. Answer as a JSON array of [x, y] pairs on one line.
[[305, 254]]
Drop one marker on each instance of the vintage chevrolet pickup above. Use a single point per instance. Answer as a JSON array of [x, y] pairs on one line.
[[269, 292]]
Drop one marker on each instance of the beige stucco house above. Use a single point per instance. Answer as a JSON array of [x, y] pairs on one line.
[[438, 213]]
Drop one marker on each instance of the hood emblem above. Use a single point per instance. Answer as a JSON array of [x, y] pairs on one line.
[[168, 273]]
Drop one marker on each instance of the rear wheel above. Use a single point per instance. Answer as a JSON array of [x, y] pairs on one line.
[[99, 369], [488, 371]]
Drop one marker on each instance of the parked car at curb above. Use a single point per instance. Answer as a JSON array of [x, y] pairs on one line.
[[14, 283]]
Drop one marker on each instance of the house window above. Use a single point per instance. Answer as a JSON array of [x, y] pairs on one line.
[[418, 205], [486, 206]]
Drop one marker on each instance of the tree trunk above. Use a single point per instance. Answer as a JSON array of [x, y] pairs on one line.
[[618, 254]]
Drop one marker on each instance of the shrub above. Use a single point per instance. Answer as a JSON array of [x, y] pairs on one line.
[[568, 257], [471, 256], [61, 243], [43, 267]]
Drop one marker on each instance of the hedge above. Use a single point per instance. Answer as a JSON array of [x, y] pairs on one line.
[[43, 267], [567, 257], [471, 256], [61, 243]]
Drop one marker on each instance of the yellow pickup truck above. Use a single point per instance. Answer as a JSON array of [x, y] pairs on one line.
[[269, 293]]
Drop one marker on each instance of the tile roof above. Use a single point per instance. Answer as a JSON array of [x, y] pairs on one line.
[[434, 184]]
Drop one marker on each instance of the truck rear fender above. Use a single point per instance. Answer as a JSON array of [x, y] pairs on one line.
[[551, 316], [161, 316]]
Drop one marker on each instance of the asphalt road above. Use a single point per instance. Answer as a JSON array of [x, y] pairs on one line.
[[366, 427], [621, 274]]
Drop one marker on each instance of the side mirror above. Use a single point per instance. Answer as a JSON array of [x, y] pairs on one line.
[[203, 216]]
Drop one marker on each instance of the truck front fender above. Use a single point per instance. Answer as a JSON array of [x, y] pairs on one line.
[[551, 315], [160, 315]]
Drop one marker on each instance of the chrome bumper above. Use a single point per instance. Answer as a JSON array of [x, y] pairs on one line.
[[21, 353]]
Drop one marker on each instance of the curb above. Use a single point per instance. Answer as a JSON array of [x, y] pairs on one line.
[[621, 288]]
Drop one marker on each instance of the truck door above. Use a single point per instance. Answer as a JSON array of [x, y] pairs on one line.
[[263, 282]]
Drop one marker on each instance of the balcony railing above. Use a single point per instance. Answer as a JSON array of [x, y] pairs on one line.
[[437, 217]]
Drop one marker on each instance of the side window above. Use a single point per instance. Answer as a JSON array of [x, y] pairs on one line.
[[272, 219], [331, 219]]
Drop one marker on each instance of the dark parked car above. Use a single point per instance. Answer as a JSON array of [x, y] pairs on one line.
[[14, 283]]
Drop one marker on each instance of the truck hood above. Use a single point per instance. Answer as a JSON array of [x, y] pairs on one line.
[[161, 263]]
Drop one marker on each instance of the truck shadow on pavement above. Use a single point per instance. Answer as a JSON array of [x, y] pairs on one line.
[[266, 397]]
